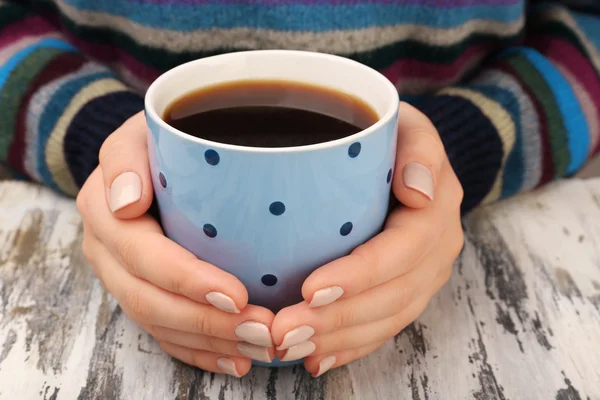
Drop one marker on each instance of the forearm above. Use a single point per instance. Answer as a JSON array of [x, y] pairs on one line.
[[530, 115], [56, 105]]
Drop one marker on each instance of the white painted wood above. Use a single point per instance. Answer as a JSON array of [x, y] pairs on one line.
[[520, 318]]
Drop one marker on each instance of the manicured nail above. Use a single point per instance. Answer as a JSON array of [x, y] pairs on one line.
[[418, 177], [255, 333], [227, 366], [296, 336], [326, 296], [254, 352], [222, 302], [126, 189], [325, 365], [299, 351]]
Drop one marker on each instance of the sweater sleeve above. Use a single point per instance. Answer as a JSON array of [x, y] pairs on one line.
[[530, 114], [56, 106]]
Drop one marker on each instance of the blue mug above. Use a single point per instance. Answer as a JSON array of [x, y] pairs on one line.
[[271, 216]]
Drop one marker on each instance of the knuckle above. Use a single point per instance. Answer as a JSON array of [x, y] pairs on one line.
[[201, 324], [179, 284], [342, 341], [127, 250], [458, 192], [110, 150], [82, 202], [212, 344], [369, 262], [399, 322], [137, 304], [401, 298], [86, 248], [156, 333], [434, 143], [459, 243], [342, 319], [446, 274]]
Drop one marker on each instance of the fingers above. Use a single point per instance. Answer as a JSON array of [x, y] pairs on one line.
[[195, 341], [356, 336], [419, 160], [150, 305], [319, 365], [409, 235], [362, 335], [207, 361], [299, 322], [141, 248], [124, 164], [392, 253]]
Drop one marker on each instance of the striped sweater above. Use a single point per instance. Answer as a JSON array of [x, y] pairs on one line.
[[512, 86]]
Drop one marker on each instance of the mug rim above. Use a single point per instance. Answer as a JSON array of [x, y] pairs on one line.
[[382, 121]]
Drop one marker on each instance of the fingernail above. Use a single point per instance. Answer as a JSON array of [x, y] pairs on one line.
[[418, 177], [126, 189], [326, 296], [222, 302], [296, 336], [299, 351], [254, 352], [255, 333], [227, 366], [325, 365]]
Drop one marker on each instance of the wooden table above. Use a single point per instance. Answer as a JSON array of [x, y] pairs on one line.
[[520, 318]]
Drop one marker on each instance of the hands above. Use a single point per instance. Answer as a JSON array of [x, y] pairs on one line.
[[199, 313], [356, 303]]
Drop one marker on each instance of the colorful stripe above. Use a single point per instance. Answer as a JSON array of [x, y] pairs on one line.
[[54, 154], [551, 114], [65, 63], [517, 120], [524, 164], [31, 64], [573, 118], [502, 121], [6, 71], [41, 103], [274, 3], [512, 179], [318, 17], [333, 40], [576, 69]]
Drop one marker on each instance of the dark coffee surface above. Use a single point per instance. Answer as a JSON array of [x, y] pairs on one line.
[[269, 114]]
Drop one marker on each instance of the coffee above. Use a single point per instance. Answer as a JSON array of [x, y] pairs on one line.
[[269, 114]]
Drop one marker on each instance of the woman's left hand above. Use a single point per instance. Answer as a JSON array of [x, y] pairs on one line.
[[356, 303]]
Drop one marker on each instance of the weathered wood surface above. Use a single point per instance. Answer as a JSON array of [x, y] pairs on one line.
[[520, 318]]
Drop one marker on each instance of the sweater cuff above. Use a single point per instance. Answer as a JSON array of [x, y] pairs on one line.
[[474, 148], [94, 122]]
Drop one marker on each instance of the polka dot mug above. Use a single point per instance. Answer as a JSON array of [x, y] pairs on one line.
[[271, 216]]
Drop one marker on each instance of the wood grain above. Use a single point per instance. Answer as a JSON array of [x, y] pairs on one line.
[[520, 318]]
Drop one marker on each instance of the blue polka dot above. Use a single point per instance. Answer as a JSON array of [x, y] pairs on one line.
[[269, 280], [346, 229], [163, 180], [210, 230], [212, 157], [277, 208], [354, 150], [389, 176]]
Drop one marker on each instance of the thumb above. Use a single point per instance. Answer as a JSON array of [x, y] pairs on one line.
[[124, 164], [419, 160]]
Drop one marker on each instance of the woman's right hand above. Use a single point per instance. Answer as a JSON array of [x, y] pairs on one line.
[[197, 312]]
